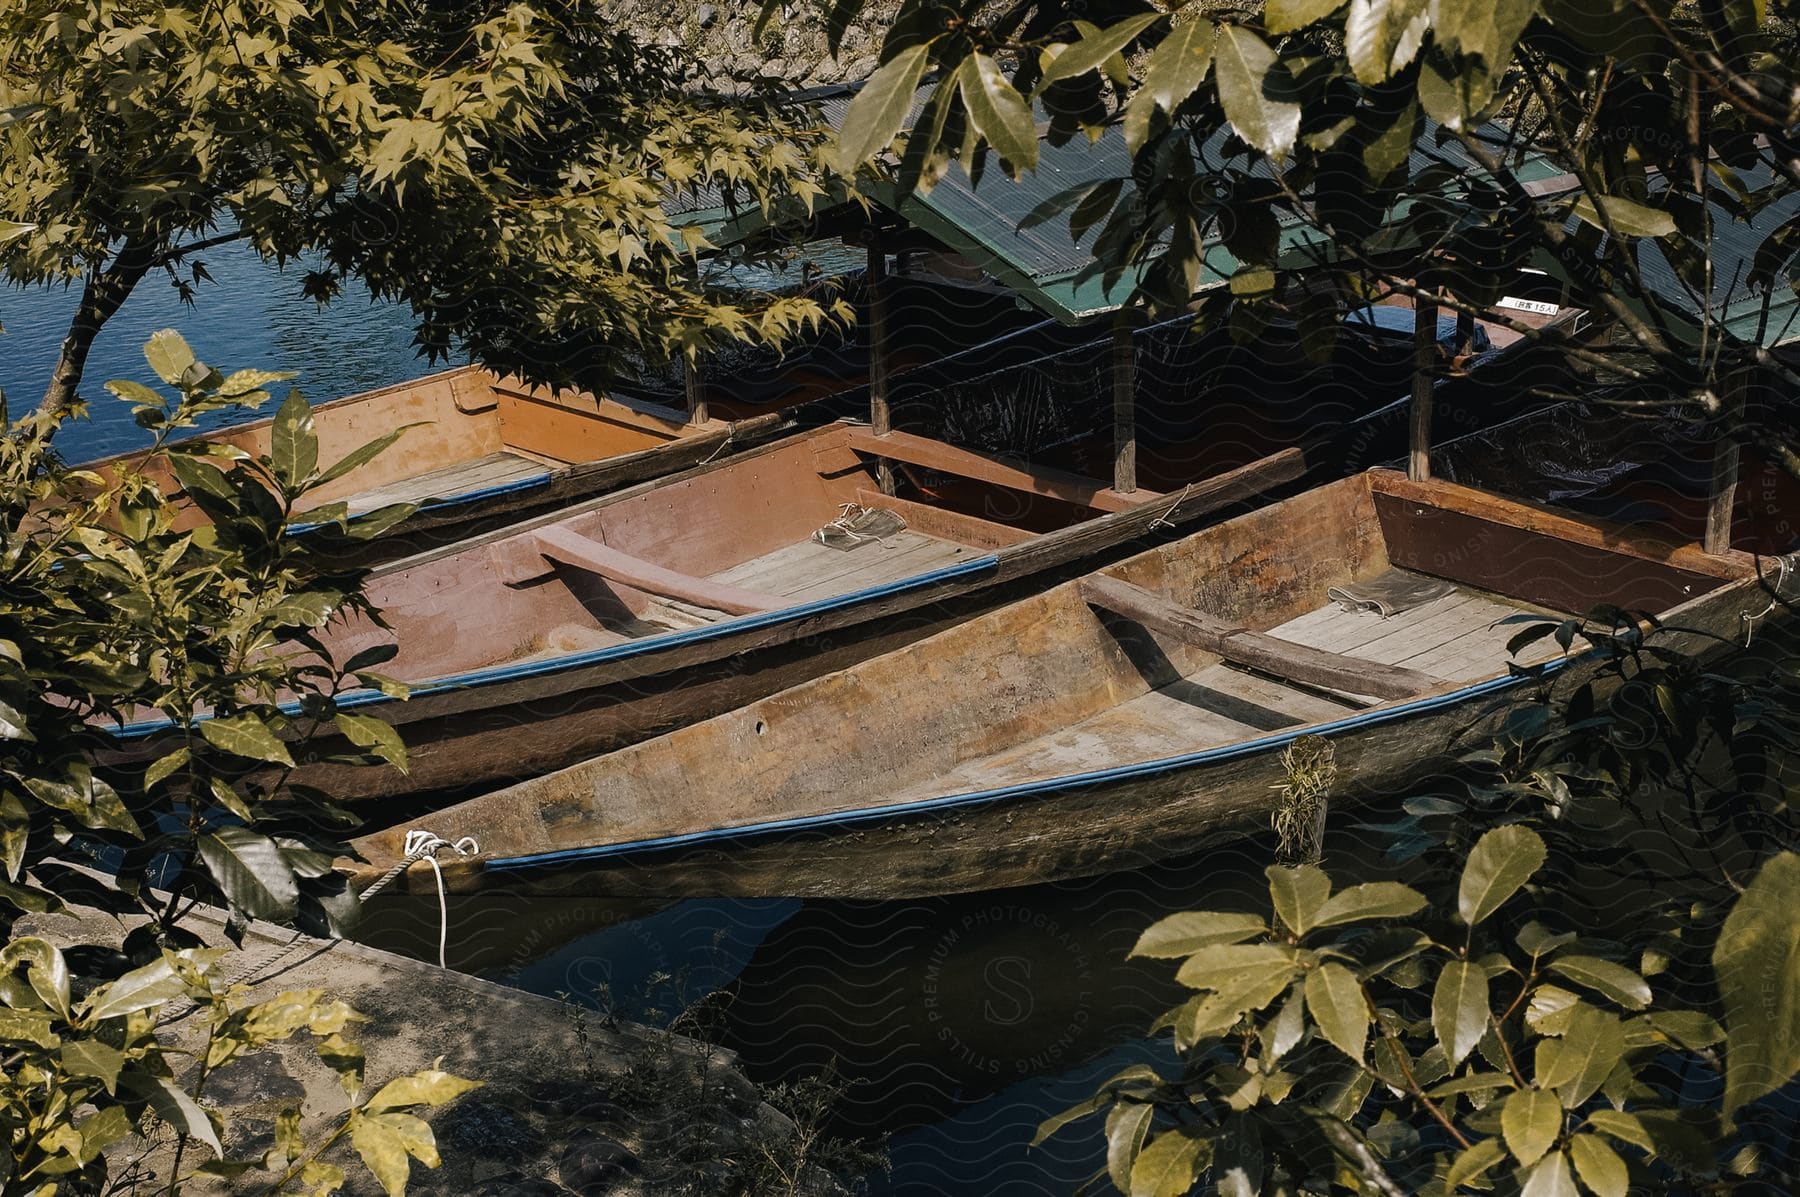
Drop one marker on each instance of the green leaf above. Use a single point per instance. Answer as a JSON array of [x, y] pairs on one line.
[[1627, 217], [880, 108], [998, 111], [1689, 1028], [293, 442], [1127, 1125], [1487, 31], [1185, 933], [1297, 894], [1381, 37], [26, 1026], [1337, 1004], [1285, 16], [138, 393], [1622, 1126], [1550, 1177], [380, 521], [360, 456], [1177, 67], [46, 970], [1501, 862], [163, 766], [375, 734], [383, 1150], [1757, 964], [139, 989], [1584, 1057], [1459, 1009], [169, 355], [1092, 52], [1599, 1166], [246, 736], [1259, 95], [1474, 1163], [430, 1087], [13, 724], [251, 871], [92, 1058], [1615, 981], [1169, 1166], [175, 1106], [1220, 965], [1374, 900], [1530, 1121]]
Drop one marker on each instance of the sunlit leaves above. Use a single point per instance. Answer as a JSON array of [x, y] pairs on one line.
[[1757, 963], [1603, 976], [1627, 218], [998, 112], [294, 444], [1336, 1002], [1501, 862], [1459, 1008], [1093, 51], [246, 736], [1184, 933], [1383, 36], [1177, 67], [1257, 91], [1530, 1120], [880, 109]]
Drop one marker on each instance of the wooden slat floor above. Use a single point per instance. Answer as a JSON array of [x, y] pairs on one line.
[[496, 469], [1457, 638], [806, 571]]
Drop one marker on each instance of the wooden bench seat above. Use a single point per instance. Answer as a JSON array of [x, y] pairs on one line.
[[564, 547]]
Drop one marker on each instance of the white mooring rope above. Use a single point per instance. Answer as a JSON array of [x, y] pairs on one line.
[[425, 845]]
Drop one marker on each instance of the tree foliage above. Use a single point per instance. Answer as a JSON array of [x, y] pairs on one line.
[[108, 615], [501, 168], [1585, 984], [1417, 140]]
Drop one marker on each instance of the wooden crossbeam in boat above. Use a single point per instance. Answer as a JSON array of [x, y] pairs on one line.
[[965, 463], [1271, 654], [570, 548]]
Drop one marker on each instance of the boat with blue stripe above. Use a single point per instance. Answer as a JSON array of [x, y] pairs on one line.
[[1354, 634]]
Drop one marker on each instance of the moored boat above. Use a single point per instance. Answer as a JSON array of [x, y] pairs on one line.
[[483, 450], [1112, 720], [540, 644]]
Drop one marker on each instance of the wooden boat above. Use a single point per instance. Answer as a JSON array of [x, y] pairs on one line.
[[1109, 721], [538, 645], [486, 450]]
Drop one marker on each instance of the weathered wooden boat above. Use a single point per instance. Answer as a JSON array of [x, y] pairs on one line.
[[486, 450], [1121, 717], [538, 645]]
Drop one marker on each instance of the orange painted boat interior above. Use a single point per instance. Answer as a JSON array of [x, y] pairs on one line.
[[461, 416]]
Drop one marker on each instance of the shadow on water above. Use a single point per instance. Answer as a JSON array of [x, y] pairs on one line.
[[956, 1024]]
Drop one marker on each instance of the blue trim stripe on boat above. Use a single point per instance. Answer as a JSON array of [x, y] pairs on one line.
[[472, 496], [631, 648], [877, 814]]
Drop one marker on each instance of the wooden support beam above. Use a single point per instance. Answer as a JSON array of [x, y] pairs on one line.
[[1255, 650], [1124, 382], [1425, 317], [880, 416], [695, 384], [965, 463], [1723, 504], [571, 548]]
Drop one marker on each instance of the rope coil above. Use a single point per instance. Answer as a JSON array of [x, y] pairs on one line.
[[1783, 567]]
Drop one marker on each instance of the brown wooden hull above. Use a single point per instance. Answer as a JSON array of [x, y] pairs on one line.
[[966, 761], [530, 721]]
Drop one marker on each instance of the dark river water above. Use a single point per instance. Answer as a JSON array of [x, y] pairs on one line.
[[251, 316]]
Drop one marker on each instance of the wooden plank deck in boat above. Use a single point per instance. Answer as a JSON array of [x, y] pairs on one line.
[[1459, 637], [806, 571], [482, 473]]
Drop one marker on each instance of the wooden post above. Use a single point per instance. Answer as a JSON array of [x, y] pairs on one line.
[[696, 392], [1124, 382], [1425, 318], [880, 417], [1725, 470]]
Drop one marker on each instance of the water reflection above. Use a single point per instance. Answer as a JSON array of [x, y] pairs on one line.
[[956, 1024]]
